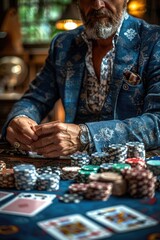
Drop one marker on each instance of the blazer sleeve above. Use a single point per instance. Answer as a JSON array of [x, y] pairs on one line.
[[145, 127], [39, 99]]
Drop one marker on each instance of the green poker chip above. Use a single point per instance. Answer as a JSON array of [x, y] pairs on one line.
[[91, 168], [120, 166]]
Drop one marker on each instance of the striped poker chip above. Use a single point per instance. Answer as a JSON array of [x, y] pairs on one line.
[[94, 177], [2, 166], [105, 167], [136, 162], [117, 153], [98, 191], [158, 183], [91, 168], [98, 158], [25, 176], [83, 176], [79, 188], [70, 198], [110, 177], [141, 182], [114, 167], [7, 179], [80, 159], [69, 172], [136, 150], [48, 182], [49, 170]]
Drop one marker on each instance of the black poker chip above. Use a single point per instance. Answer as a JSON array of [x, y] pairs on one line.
[[70, 198]]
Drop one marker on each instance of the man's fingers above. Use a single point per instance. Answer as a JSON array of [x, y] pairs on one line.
[[46, 128]]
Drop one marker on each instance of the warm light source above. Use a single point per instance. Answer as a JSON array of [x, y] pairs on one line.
[[137, 8], [70, 19], [68, 24]]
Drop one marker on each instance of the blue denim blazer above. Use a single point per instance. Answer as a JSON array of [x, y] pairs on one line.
[[133, 107]]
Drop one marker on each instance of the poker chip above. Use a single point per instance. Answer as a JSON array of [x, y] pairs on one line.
[[48, 182], [119, 187], [70, 198], [2, 166], [117, 153], [154, 166], [136, 162], [114, 167], [83, 176], [97, 158], [141, 182], [79, 188], [136, 150], [158, 183], [7, 179], [110, 177], [98, 191], [25, 176], [70, 172], [79, 159], [91, 168], [49, 170]]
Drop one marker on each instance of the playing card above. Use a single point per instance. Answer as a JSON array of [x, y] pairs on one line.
[[27, 204], [4, 195], [73, 227], [37, 196], [121, 218]]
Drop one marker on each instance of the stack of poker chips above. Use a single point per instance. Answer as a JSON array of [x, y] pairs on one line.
[[136, 162], [98, 158], [48, 182], [7, 179], [141, 182], [70, 172], [49, 170], [84, 173], [25, 176], [70, 198], [158, 183], [114, 167], [136, 150], [2, 166], [117, 153], [118, 183], [79, 159], [153, 164], [78, 188], [98, 191]]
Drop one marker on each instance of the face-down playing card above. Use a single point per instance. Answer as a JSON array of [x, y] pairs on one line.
[[27, 204]]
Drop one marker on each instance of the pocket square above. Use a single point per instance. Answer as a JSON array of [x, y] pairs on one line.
[[132, 78]]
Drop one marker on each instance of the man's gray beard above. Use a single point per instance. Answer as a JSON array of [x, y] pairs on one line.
[[105, 30], [101, 32]]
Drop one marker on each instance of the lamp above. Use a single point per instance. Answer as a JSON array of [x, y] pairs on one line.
[[137, 8], [70, 18]]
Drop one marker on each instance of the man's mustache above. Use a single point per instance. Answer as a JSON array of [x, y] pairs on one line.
[[101, 13]]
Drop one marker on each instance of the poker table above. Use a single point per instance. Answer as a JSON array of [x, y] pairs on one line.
[[16, 227]]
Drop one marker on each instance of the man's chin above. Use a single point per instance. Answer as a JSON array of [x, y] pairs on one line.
[[100, 33]]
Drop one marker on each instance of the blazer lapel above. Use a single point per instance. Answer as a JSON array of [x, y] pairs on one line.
[[126, 57]]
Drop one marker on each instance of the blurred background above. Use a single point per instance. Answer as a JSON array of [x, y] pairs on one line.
[[26, 29]]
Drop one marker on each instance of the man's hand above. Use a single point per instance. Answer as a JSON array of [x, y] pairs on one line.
[[56, 139], [20, 133]]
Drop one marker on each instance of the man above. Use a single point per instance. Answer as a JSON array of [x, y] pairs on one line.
[[107, 75]]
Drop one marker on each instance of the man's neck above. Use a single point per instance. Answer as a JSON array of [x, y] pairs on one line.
[[103, 43]]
